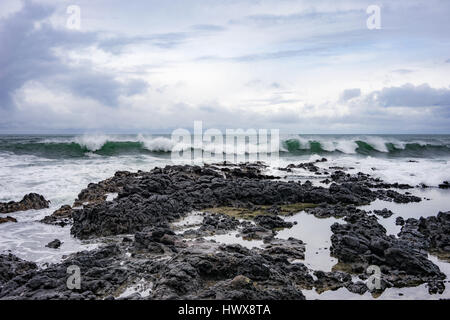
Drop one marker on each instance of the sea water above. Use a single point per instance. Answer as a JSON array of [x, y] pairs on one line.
[[59, 167]]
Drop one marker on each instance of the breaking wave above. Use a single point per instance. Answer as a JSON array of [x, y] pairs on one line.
[[104, 145], [369, 146]]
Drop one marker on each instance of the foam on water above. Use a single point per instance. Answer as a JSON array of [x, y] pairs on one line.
[[61, 179], [378, 146], [431, 172]]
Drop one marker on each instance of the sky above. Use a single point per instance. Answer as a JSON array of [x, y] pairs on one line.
[[154, 66]]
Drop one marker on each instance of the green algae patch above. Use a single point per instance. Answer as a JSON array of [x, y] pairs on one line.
[[441, 255], [245, 213], [343, 267]]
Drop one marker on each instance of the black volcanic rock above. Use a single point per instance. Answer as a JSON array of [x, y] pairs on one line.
[[164, 195], [55, 244], [362, 241], [101, 270], [325, 210], [7, 219], [61, 217], [11, 267], [431, 233], [28, 202], [385, 213], [272, 222], [444, 185], [219, 222], [399, 221]]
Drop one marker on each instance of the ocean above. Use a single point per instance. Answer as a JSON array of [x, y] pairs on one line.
[[59, 167]]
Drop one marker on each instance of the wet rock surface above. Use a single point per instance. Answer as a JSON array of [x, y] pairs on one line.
[[272, 222], [61, 217], [362, 242], [143, 244], [11, 267], [254, 232], [291, 249], [444, 185], [7, 219], [385, 213], [197, 269], [164, 195], [232, 272], [97, 192], [219, 223], [100, 269], [399, 221], [340, 176], [431, 233], [325, 210], [28, 202], [55, 244], [237, 273], [158, 239]]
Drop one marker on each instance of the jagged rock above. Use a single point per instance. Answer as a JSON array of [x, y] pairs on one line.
[[337, 211], [391, 195], [154, 239], [61, 217], [179, 268], [55, 244], [385, 213], [362, 241], [444, 185], [272, 222], [213, 223], [436, 287], [357, 287], [331, 280], [11, 267], [243, 288], [253, 232], [309, 166], [102, 275], [7, 219], [340, 176], [291, 249], [164, 195], [28, 202], [234, 272], [431, 233], [97, 192], [399, 221]]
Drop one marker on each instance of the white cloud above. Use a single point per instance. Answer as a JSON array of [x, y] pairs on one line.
[[294, 65]]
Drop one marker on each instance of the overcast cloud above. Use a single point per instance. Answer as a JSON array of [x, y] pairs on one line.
[[152, 66]]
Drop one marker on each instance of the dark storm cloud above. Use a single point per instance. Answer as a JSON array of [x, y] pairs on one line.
[[349, 94], [27, 53], [409, 95]]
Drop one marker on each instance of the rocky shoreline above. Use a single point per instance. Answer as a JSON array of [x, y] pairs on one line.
[[143, 246]]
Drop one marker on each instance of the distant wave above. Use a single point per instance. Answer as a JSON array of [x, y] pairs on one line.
[[104, 145], [81, 146], [373, 146]]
